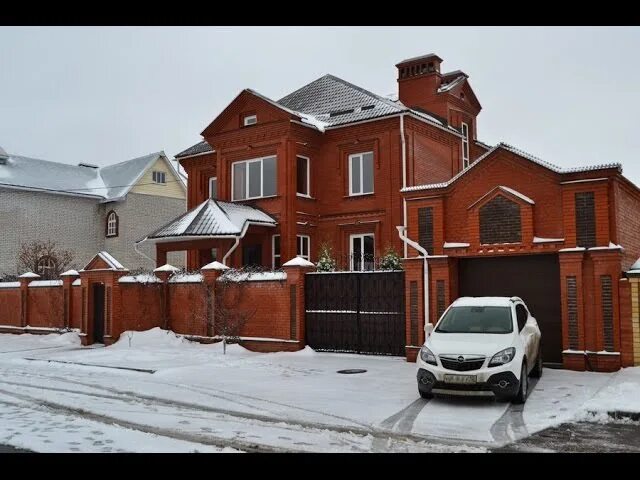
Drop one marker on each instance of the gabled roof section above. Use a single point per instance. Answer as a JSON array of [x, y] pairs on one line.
[[103, 260], [106, 184], [199, 148], [520, 153], [212, 218], [509, 191]]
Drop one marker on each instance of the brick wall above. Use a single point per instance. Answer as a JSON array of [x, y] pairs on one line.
[[627, 206], [10, 306]]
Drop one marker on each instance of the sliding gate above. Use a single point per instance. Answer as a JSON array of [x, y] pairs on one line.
[[360, 312]]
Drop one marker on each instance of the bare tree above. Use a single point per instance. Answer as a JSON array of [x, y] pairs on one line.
[[225, 314], [45, 258]]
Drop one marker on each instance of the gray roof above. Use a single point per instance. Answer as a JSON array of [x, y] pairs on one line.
[[419, 57], [200, 147], [106, 184], [212, 218], [521, 153]]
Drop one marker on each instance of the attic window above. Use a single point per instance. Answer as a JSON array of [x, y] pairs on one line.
[[159, 177], [250, 120], [367, 107], [340, 112]]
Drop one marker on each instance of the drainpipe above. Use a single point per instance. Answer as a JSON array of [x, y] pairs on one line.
[[135, 247], [235, 245], [423, 252], [404, 177]]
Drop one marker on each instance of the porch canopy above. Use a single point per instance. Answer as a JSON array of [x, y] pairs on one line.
[[211, 220]]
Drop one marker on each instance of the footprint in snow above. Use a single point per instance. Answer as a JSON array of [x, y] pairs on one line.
[[184, 422], [284, 438], [97, 432]]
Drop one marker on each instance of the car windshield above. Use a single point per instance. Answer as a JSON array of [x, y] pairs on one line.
[[476, 320]]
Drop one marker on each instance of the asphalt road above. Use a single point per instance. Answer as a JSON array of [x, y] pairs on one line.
[[583, 437]]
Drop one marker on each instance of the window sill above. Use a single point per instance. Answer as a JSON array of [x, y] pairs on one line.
[[308, 197], [360, 195], [255, 198]]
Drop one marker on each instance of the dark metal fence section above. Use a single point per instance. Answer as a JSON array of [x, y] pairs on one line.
[[360, 312]]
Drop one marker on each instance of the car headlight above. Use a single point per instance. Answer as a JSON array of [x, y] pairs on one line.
[[427, 356], [502, 357]]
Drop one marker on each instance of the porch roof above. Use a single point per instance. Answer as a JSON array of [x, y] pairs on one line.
[[212, 219]]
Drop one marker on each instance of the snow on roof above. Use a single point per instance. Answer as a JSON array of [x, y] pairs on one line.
[[298, 262], [445, 87], [636, 265], [455, 245], [166, 268], [520, 153], [106, 183], [213, 218], [517, 194], [142, 278], [215, 266], [112, 262], [46, 283], [547, 240], [29, 275], [69, 273], [483, 302]]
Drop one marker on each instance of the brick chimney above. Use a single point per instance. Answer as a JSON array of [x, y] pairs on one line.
[[418, 80]]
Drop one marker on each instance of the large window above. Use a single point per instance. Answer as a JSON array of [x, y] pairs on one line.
[[46, 267], [303, 246], [303, 183], [159, 177], [362, 252], [361, 173], [254, 178], [465, 145], [213, 187], [112, 224], [275, 248]]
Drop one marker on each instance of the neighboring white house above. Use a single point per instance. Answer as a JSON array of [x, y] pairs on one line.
[[87, 209]]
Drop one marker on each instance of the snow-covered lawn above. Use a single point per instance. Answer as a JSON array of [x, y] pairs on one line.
[[196, 398]]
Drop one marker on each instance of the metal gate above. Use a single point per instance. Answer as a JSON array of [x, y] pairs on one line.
[[361, 312]]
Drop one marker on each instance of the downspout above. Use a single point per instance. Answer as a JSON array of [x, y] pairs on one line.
[[235, 244], [404, 178], [423, 252], [135, 247]]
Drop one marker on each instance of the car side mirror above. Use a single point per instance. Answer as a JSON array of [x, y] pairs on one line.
[[428, 328]]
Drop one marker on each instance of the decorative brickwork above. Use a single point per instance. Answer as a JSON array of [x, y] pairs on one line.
[[425, 228], [572, 312], [413, 309], [585, 219], [500, 221], [440, 302], [607, 312], [293, 295]]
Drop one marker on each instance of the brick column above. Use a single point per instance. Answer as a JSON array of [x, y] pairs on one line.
[[296, 268], [414, 305], [439, 287], [210, 274], [25, 279], [67, 280], [573, 312], [634, 284], [163, 273]]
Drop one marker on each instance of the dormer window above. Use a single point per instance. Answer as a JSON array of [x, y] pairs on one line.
[[159, 177], [249, 120]]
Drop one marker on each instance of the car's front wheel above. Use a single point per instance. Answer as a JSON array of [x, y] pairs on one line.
[[537, 369], [521, 396], [425, 395]]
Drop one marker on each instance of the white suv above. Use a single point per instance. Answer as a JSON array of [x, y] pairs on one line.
[[481, 346]]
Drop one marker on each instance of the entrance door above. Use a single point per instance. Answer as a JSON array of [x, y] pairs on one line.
[[98, 313], [534, 278], [252, 255]]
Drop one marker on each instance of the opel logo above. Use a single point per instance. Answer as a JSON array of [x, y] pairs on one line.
[[461, 359]]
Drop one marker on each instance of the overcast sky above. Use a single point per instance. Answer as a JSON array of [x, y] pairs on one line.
[[103, 95]]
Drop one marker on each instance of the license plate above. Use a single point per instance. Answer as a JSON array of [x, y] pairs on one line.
[[460, 379]]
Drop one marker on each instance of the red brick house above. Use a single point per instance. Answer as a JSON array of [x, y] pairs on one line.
[[332, 162]]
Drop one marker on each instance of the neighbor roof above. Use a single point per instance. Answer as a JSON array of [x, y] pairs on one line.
[[107, 183], [212, 218], [521, 153], [198, 148]]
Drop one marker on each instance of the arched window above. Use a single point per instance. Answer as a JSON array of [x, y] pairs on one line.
[[46, 267], [112, 224]]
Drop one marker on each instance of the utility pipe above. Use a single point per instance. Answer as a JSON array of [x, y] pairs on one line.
[[425, 273], [404, 177]]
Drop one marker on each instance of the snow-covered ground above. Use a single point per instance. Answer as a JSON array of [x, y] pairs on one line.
[[58, 396]]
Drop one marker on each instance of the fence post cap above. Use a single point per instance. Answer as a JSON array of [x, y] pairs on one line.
[[215, 266], [166, 268], [70, 273], [298, 262], [29, 275]]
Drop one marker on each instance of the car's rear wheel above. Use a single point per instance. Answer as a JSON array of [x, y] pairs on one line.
[[537, 369], [521, 396]]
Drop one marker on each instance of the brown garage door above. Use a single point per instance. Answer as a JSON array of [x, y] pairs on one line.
[[534, 278]]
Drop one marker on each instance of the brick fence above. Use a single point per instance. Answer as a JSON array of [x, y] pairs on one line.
[[273, 302]]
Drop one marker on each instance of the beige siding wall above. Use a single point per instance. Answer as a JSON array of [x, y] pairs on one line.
[[171, 189]]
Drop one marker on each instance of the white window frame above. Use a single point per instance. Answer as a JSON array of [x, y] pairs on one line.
[[308, 194], [246, 186], [249, 120], [156, 175], [210, 180], [273, 251], [361, 173], [299, 243], [361, 236], [112, 224], [45, 263], [465, 142]]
